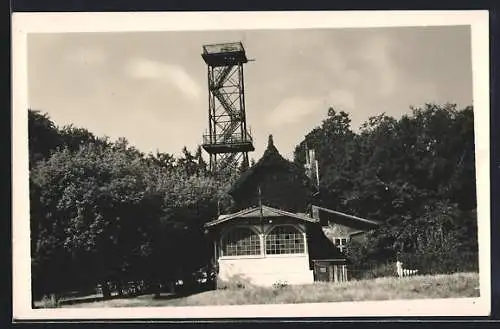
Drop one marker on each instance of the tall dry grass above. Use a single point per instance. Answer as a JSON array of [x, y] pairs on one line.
[[417, 287], [435, 286]]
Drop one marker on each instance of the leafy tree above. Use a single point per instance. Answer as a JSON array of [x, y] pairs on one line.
[[188, 201], [416, 175], [202, 164], [334, 145], [188, 162], [43, 136], [93, 211], [163, 160], [104, 211], [73, 137]]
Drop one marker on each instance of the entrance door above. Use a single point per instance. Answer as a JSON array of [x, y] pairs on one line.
[[322, 272], [328, 272]]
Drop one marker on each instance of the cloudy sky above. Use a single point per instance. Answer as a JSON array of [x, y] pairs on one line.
[[151, 87]]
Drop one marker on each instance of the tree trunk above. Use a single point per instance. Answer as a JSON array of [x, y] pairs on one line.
[[119, 285], [106, 293], [157, 290], [171, 285]]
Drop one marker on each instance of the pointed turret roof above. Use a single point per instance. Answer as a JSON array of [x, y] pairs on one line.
[[270, 159]]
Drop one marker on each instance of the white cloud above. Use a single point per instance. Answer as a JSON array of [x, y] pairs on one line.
[[141, 68], [292, 110]]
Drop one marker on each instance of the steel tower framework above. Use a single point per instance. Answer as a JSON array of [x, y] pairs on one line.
[[228, 141]]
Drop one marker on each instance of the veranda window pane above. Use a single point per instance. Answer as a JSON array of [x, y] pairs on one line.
[[241, 242], [284, 240]]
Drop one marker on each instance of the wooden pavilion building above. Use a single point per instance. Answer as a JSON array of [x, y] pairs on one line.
[[276, 233]]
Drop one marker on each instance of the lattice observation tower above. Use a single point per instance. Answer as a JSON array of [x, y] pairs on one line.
[[228, 140]]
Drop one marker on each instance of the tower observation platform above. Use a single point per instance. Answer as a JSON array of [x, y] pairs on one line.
[[228, 140]]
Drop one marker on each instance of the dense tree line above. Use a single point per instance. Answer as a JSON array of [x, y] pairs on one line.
[[415, 175], [102, 211]]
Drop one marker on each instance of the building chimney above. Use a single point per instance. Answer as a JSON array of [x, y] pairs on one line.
[[315, 212]]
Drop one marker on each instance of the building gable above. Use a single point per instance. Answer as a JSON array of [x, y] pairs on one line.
[[257, 213]]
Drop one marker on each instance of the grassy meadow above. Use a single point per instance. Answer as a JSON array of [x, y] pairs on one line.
[[388, 288]]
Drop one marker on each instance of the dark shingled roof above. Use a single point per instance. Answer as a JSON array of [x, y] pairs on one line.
[[320, 247], [270, 159]]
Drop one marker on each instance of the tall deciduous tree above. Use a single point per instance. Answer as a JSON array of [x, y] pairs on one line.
[[43, 136], [103, 211], [416, 175], [94, 211]]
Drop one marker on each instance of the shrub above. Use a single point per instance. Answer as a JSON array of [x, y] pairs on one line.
[[50, 301], [280, 284], [371, 271], [441, 263]]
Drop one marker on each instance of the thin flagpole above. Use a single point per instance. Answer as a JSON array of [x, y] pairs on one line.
[[261, 212], [317, 172]]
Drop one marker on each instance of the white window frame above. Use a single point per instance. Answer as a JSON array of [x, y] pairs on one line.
[[297, 229], [341, 246], [224, 235]]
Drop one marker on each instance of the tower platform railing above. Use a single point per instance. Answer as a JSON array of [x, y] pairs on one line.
[[224, 54], [223, 48], [236, 138]]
